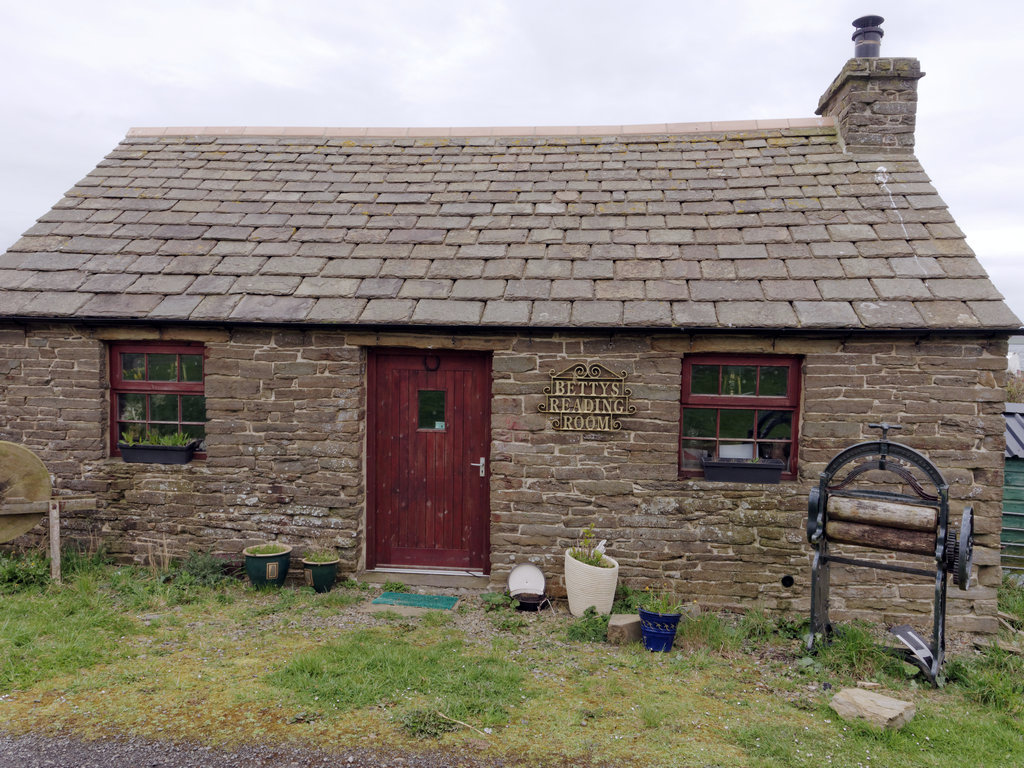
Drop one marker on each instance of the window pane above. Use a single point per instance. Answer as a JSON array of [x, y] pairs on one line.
[[163, 408], [198, 431], [133, 366], [700, 422], [775, 451], [704, 380], [693, 450], [739, 380], [131, 407], [737, 423], [130, 432], [735, 450], [163, 429], [191, 367], [774, 381], [431, 409], [775, 425], [193, 408], [163, 367]]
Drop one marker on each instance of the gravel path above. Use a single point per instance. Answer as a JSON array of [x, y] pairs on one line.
[[34, 751]]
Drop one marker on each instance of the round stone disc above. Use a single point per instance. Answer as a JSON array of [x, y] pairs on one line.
[[22, 477]]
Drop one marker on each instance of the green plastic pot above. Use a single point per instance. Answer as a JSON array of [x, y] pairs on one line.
[[267, 570], [320, 576]]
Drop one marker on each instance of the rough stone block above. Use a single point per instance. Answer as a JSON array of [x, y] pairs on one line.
[[623, 628]]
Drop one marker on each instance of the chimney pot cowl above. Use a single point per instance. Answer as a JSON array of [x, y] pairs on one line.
[[868, 36]]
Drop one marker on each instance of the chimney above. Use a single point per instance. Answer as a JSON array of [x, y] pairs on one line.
[[873, 100]]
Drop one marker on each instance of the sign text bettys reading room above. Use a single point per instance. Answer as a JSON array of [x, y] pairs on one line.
[[587, 398]]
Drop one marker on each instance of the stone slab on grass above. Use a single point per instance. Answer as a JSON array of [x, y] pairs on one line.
[[883, 711]]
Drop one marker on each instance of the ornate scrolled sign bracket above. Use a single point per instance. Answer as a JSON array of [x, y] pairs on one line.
[[587, 397]]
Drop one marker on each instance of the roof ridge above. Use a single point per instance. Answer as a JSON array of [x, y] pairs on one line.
[[544, 130]]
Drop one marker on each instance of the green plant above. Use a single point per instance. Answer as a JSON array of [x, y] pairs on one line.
[[591, 627], [426, 723], [198, 569], [396, 586], [1015, 387], [270, 548], [23, 571], [627, 599], [585, 550], [659, 601], [321, 555], [498, 601], [132, 437]]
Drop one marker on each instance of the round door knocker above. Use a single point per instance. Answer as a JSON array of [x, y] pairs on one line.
[[431, 362]]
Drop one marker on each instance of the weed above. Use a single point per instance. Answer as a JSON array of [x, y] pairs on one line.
[[708, 630], [627, 599], [396, 586], [508, 622], [756, 626], [425, 723], [1011, 597], [854, 652], [498, 601], [198, 569], [23, 571], [995, 678], [591, 627]]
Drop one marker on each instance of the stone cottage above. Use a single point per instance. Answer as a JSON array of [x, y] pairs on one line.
[[447, 351]]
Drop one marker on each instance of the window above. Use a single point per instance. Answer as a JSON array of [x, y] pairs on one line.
[[739, 407], [157, 388]]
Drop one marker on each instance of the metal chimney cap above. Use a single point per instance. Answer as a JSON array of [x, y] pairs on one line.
[[868, 21], [868, 37]]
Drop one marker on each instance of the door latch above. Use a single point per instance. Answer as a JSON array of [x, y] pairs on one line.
[[482, 464]]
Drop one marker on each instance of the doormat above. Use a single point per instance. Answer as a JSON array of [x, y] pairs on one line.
[[440, 602]]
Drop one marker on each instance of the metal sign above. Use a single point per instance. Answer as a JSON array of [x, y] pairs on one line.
[[587, 398]]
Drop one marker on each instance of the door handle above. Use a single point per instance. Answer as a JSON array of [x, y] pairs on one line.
[[482, 464]]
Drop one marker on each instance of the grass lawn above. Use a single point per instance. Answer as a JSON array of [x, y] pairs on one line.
[[125, 651]]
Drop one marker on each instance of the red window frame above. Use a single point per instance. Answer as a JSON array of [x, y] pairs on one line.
[[119, 385], [790, 402]]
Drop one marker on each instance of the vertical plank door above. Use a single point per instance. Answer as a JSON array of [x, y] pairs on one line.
[[428, 417]]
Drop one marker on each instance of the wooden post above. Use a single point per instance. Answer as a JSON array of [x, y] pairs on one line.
[[55, 540]]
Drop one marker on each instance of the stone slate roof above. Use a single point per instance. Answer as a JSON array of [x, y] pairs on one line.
[[766, 225]]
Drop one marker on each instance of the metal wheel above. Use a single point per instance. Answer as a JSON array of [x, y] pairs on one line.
[[23, 477], [965, 550]]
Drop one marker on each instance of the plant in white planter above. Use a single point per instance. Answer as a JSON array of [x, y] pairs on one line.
[[590, 575]]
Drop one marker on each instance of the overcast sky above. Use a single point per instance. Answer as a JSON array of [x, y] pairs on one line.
[[78, 74]]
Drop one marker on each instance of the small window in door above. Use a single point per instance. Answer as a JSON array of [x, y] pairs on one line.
[[431, 409]]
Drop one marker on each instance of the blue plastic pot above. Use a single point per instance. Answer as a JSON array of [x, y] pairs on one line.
[[658, 630]]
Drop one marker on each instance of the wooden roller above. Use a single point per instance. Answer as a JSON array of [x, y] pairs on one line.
[[882, 537], [883, 513], [23, 480]]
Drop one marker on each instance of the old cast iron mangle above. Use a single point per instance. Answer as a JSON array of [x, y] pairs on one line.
[[913, 523]]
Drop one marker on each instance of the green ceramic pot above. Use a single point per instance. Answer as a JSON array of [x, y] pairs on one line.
[[269, 569], [320, 576]]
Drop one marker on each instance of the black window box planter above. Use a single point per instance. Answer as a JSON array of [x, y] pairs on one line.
[[743, 470], [157, 454]]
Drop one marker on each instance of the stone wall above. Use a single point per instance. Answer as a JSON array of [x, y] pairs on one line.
[[286, 435]]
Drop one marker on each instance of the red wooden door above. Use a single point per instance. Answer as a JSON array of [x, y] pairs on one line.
[[428, 450]]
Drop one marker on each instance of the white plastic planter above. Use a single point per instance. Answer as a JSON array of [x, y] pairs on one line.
[[590, 585]]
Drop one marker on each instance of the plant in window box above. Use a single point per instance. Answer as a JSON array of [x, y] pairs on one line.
[[590, 575], [320, 568], [660, 612], [266, 565], [138, 447]]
